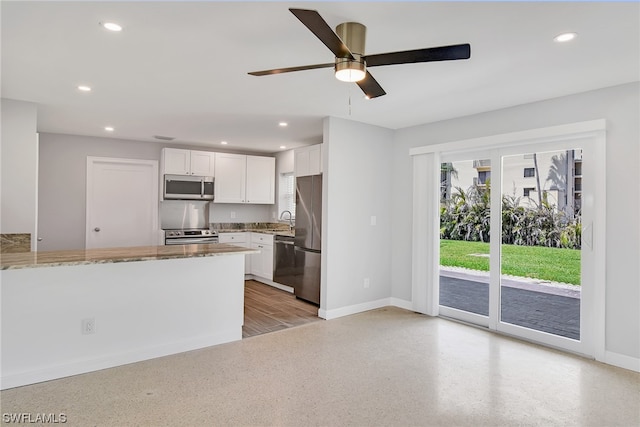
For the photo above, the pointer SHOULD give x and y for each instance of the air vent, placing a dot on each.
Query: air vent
(164, 138)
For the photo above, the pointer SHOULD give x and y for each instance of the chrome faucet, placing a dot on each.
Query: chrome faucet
(290, 218)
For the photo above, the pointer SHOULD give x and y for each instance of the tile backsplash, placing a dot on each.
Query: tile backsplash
(248, 226)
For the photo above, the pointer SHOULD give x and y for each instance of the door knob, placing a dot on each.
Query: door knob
(96, 229)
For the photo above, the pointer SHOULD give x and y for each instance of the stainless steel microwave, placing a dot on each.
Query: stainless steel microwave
(188, 187)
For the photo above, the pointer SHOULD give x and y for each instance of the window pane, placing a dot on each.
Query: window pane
(287, 195)
(540, 284)
(464, 235)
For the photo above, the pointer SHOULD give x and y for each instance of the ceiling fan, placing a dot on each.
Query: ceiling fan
(347, 44)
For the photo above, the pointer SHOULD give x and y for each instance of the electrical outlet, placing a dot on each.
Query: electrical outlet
(233, 215)
(374, 220)
(88, 326)
(366, 283)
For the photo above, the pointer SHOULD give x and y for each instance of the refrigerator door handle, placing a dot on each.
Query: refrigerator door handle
(301, 249)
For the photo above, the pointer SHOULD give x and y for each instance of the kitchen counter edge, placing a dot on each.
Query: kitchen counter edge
(15, 261)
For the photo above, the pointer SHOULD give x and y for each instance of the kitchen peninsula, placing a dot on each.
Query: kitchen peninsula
(70, 312)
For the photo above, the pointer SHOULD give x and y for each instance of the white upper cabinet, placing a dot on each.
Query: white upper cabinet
(244, 179)
(202, 163)
(308, 160)
(230, 180)
(261, 179)
(176, 161)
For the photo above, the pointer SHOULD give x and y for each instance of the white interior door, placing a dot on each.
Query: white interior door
(122, 202)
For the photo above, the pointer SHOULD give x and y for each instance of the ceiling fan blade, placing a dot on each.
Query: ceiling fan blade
(318, 26)
(290, 69)
(371, 87)
(442, 53)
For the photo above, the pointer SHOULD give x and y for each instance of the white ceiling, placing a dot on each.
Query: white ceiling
(180, 68)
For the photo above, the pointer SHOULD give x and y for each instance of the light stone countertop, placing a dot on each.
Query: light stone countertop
(275, 228)
(263, 231)
(12, 261)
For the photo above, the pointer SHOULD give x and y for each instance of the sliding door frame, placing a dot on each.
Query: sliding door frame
(590, 135)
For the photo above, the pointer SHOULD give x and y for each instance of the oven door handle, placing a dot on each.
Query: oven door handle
(192, 241)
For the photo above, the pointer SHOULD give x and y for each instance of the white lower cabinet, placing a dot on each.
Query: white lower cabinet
(241, 239)
(262, 263)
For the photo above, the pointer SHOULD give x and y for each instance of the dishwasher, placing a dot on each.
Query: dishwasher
(284, 260)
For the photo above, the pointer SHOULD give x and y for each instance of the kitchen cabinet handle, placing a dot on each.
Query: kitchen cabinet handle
(96, 229)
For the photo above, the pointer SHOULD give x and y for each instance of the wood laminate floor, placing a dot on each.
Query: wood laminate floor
(268, 309)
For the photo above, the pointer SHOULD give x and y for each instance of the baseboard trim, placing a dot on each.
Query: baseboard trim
(622, 361)
(113, 360)
(353, 309)
(401, 303)
(365, 306)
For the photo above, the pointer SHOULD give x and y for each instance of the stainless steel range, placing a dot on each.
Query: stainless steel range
(189, 237)
(186, 222)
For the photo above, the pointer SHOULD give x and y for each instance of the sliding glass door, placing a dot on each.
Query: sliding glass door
(512, 229)
(540, 281)
(465, 218)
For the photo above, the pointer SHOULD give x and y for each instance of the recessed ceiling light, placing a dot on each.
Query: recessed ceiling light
(283, 124)
(111, 26)
(84, 88)
(565, 37)
(224, 142)
(282, 147)
(109, 128)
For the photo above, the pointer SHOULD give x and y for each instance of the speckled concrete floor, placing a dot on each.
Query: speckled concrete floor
(386, 367)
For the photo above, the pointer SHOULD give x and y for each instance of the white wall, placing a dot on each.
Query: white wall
(357, 185)
(619, 105)
(62, 186)
(62, 183)
(19, 175)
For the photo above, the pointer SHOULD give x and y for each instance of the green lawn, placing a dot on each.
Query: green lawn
(557, 265)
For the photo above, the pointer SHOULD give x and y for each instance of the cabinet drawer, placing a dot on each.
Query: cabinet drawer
(232, 238)
(265, 239)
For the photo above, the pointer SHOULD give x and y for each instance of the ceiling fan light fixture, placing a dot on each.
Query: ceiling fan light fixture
(350, 71)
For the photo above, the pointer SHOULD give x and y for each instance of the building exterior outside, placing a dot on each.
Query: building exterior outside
(557, 175)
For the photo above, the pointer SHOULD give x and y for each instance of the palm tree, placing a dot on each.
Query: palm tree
(538, 188)
(447, 171)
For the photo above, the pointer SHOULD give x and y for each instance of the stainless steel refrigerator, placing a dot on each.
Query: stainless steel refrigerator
(307, 241)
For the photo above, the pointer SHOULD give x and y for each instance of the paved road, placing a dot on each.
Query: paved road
(542, 311)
